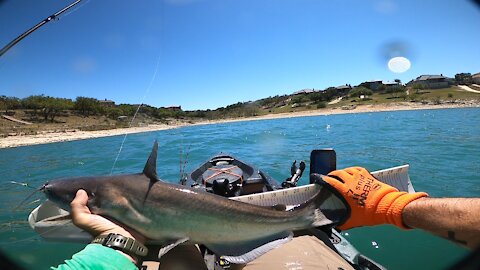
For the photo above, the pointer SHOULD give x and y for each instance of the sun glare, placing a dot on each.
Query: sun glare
(399, 64)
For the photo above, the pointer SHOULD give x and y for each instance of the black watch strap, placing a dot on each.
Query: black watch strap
(122, 243)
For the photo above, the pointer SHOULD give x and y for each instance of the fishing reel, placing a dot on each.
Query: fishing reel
(296, 175)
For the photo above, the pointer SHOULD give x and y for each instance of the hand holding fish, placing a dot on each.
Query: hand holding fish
(371, 201)
(97, 225)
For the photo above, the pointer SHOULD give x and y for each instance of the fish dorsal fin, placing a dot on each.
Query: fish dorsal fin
(150, 169)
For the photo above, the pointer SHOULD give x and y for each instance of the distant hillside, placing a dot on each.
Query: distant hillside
(59, 114)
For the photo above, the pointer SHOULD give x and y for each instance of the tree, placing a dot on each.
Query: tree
(52, 106)
(316, 97)
(127, 109)
(86, 105)
(330, 93)
(464, 78)
(418, 86)
(360, 90)
(33, 103)
(382, 88)
(9, 103)
(48, 107)
(112, 113)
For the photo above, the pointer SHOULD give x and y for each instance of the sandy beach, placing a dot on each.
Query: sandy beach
(51, 137)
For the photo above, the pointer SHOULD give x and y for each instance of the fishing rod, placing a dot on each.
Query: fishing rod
(33, 29)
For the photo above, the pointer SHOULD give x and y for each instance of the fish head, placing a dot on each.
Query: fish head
(63, 191)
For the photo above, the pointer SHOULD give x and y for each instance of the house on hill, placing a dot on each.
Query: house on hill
(174, 108)
(373, 85)
(431, 81)
(476, 78)
(343, 89)
(303, 91)
(392, 85)
(107, 103)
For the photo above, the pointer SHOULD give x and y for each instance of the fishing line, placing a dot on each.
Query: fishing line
(2, 244)
(136, 112)
(28, 198)
(77, 8)
(22, 184)
(144, 96)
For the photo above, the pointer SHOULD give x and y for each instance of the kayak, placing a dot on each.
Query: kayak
(228, 176)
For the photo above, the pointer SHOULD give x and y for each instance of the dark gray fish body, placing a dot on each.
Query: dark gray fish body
(168, 212)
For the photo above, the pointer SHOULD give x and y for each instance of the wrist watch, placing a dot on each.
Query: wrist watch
(122, 243)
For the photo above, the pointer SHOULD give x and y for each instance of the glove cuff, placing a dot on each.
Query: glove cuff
(394, 213)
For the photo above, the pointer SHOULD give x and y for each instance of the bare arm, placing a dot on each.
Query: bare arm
(456, 219)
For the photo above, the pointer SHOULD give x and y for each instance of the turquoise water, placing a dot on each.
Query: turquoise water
(441, 146)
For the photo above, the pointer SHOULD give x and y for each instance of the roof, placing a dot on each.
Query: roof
(341, 87)
(303, 91)
(106, 101)
(430, 77)
(476, 75)
(390, 83)
(374, 81)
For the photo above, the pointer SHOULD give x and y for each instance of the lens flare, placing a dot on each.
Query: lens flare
(399, 64)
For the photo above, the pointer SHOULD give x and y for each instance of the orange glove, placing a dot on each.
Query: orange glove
(371, 201)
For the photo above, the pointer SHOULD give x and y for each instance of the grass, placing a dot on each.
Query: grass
(62, 123)
(456, 93)
(430, 95)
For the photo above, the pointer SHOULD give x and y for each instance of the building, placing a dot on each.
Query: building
(373, 85)
(431, 81)
(174, 108)
(303, 91)
(344, 89)
(476, 78)
(392, 85)
(107, 103)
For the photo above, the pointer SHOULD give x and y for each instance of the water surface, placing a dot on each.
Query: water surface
(441, 146)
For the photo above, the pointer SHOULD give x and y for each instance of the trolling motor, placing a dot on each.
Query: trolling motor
(296, 175)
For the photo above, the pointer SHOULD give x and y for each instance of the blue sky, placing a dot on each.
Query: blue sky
(212, 53)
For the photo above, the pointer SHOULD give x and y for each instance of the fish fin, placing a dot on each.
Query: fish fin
(132, 211)
(240, 253)
(279, 207)
(319, 219)
(328, 207)
(150, 169)
(170, 245)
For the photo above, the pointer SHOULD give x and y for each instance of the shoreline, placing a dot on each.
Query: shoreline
(45, 138)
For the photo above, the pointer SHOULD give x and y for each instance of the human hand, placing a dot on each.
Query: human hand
(371, 201)
(98, 225)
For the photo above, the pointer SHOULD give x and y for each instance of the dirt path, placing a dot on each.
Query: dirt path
(16, 120)
(466, 88)
(335, 101)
